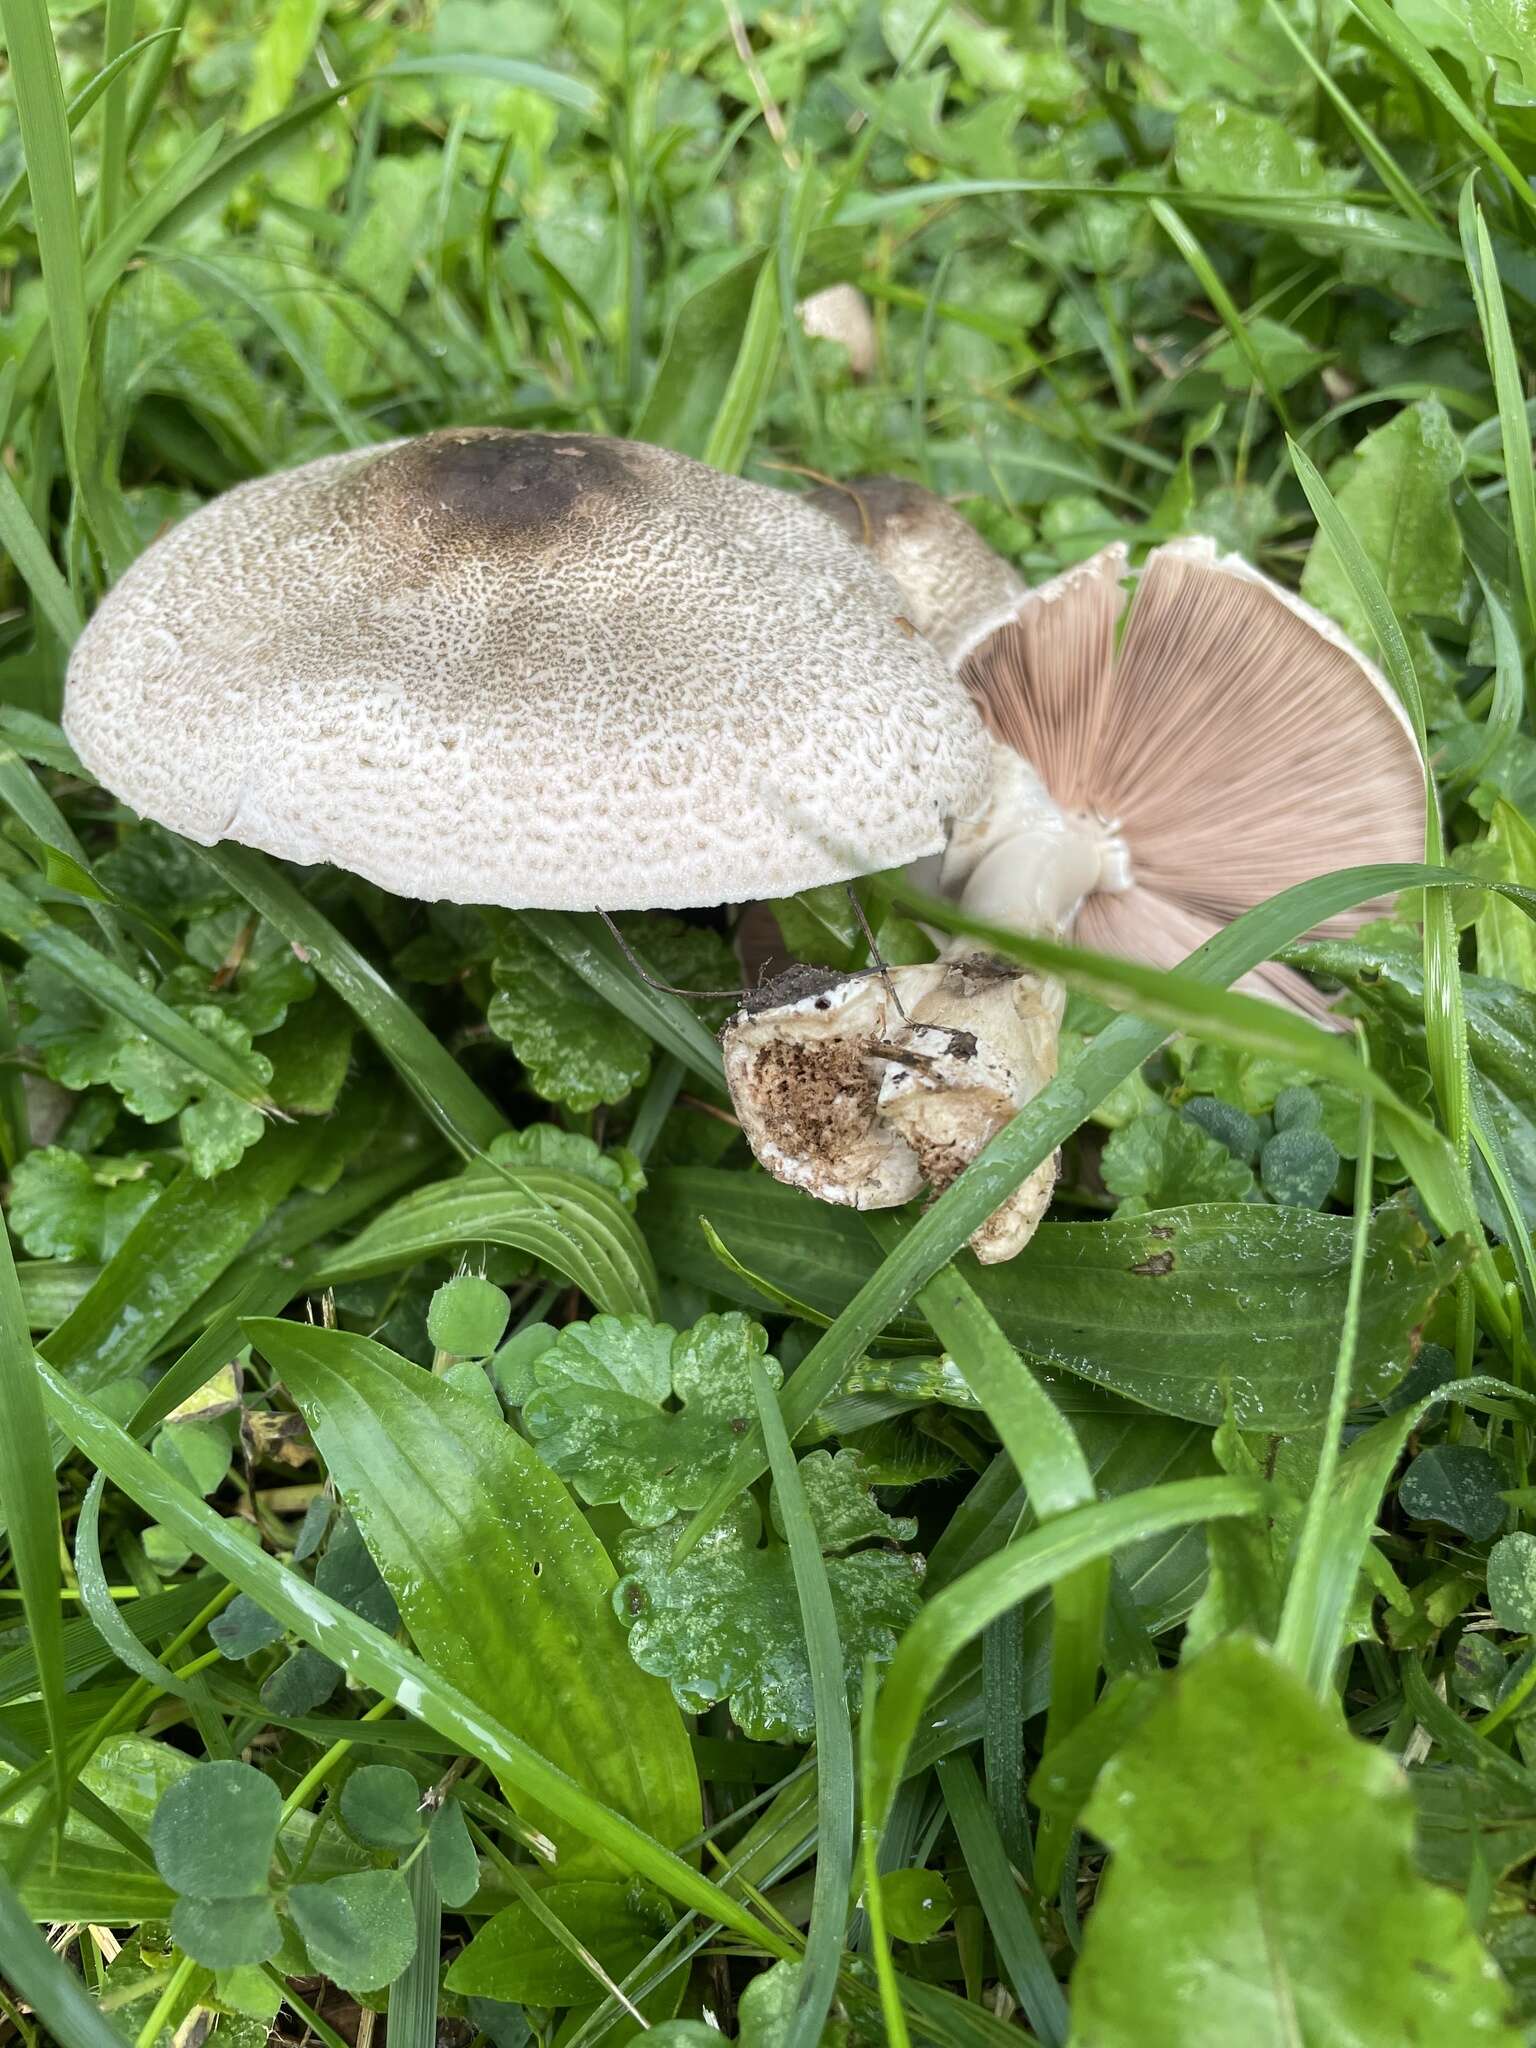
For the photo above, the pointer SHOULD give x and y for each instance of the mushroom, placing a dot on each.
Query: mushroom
(841, 313)
(559, 671)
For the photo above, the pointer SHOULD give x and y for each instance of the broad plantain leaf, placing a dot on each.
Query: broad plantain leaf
(1262, 1887)
(498, 1578)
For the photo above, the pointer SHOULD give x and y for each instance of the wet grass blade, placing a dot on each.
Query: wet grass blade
(30, 1507)
(377, 1661)
(957, 1615)
(1019, 1947)
(834, 1733)
(468, 1119)
(29, 927)
(412, 2015)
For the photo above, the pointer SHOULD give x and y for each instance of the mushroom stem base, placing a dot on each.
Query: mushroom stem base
(863, 1090)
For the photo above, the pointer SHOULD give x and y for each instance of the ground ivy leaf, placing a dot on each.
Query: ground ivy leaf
(162, 875)
(839, 1492)
(67, 1206)
(1166, 1162)
(630, 1411)
(725, 1623)
(359, 1929)
(575, 1048)
(1263, 1865)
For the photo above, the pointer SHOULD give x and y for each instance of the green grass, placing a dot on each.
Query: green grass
(1021, 1547)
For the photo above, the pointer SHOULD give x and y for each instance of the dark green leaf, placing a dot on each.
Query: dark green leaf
(214, 1831)
(1456, 1484)
(381, 1805)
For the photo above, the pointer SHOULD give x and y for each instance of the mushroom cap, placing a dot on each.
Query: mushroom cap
(954, 585)
(541, 670)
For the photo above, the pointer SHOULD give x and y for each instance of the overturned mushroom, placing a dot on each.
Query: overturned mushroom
(1142, 795)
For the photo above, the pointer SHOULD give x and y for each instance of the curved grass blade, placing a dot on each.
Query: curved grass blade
(105, 1615)
(1297, 213)
(36, 567)
(587, 947)
(957, 1616)
(468, 1119)
(834, 1733)
(571, 1223)
(377, 1661)
(1047, 1121)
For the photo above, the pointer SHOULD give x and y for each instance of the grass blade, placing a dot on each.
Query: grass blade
(1309, 1633)
(1514, 430)
(30, 1507)
(412, 2015)
(1019, 1947)
(26, 547)
(834, 1733)
(1210, 283)
(47, 1983)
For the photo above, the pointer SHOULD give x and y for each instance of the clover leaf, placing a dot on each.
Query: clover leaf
(630, 1411)
(726, 1622)
(1162, 1162)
